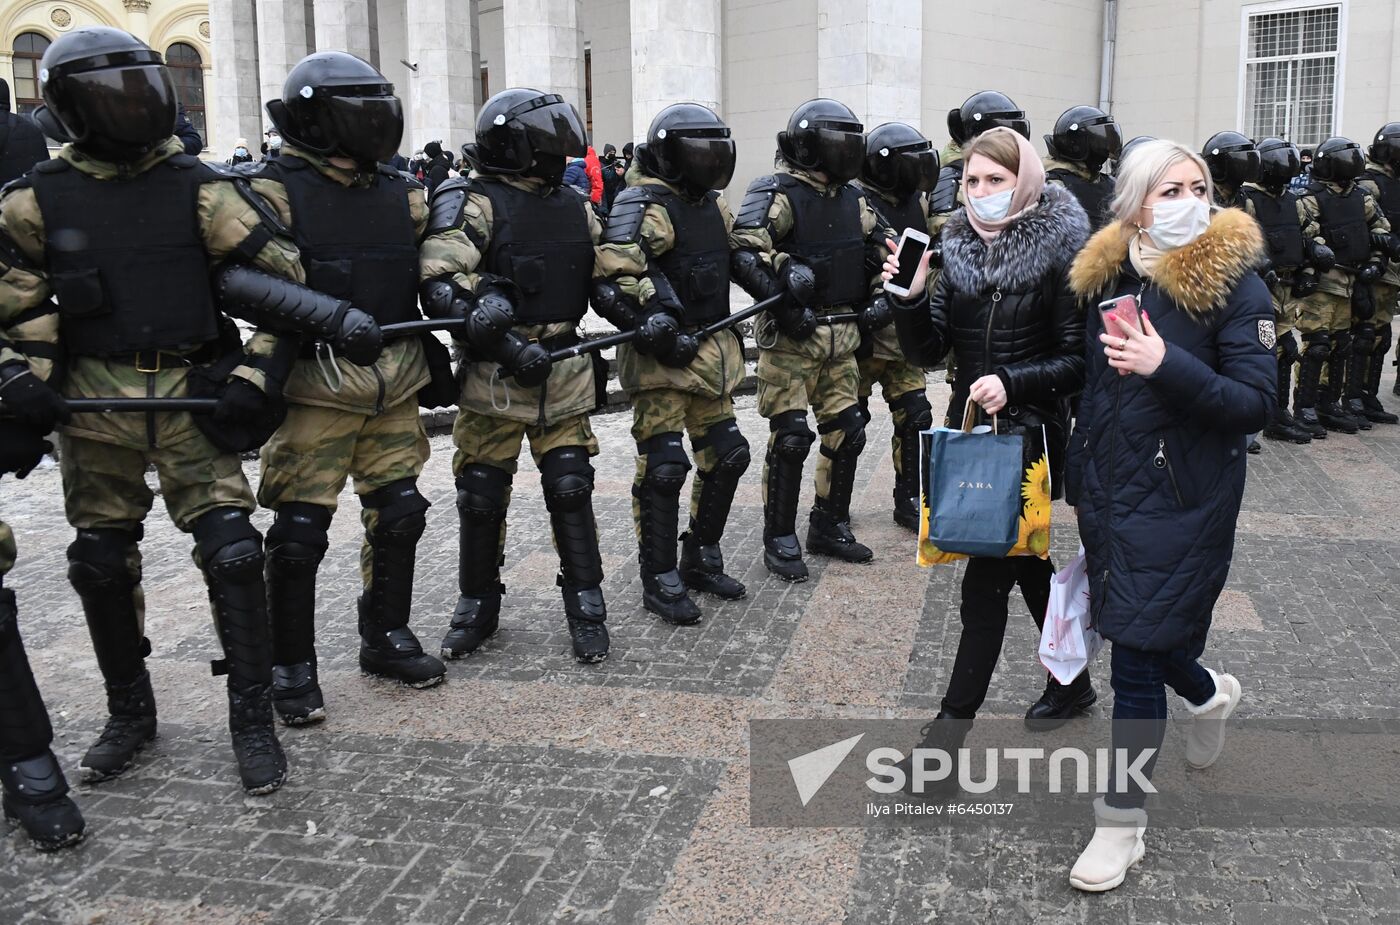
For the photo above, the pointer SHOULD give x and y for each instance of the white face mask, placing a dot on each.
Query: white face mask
(241, 152)
(1176, 224)
(274, 141)
(993, 208)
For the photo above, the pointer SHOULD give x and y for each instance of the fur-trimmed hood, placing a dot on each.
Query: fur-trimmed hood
(1198, 277)
(1017, 259)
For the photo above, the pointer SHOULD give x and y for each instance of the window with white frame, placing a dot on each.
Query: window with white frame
(1290, 73)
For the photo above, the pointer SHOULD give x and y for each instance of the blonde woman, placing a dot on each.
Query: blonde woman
(1157, 462)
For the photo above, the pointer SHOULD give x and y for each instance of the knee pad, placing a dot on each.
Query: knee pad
(667, 463)
(851, 422)
(401, 513)
(97, 561)
(297, 540)
(1288, 349)
(229, 547)
(1341, 344)
(1383, 341)
(1363, 336)
(481, 493)
(731, 449)
(1318, 345)
(918, 413)
(792, 438)
(567, 478)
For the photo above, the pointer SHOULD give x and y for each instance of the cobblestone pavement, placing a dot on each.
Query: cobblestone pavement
(531, 789)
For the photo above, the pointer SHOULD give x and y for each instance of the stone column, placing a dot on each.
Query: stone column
(869, 56)
(544, 47)
(442, 90)
(343, 25)
(233, 88)
(675, 57)
(137, 21)
(282, 42)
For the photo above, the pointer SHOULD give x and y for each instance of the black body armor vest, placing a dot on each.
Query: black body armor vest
(698, 262)
(357, 243)
(907, 213)
(1389, 199)
(827, 236)
(1278, 219)
(125, 257)
(543, 244)
(1344, 225)
(1093, 195)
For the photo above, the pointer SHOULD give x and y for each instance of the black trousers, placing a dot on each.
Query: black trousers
(986, 591)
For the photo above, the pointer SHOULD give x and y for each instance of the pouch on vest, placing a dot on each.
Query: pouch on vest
(79, 293)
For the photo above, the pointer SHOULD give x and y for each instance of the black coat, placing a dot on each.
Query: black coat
(1157, 464)
(1006, 309)
(22, 145)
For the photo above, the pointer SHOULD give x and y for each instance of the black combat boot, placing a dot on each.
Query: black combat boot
(787, 452)
(296, 544)
(1332, 412)
(483, 493)
(587, 615)
(36, 797)
(702, 568)
(1306, 395)
(657, 498)
(98, 570)
(702, 562)
(1060, 703)
(388, 648)
(230, 552)
(946, 733)
(829, 532)
(1371, 405)
(568, 494)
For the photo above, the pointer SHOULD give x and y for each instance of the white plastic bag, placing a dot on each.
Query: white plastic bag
(1067, 642)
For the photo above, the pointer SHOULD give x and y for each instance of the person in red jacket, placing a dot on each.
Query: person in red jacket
(595, 175)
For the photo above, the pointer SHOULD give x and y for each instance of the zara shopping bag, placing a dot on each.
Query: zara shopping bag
(984, 493)
(1067, 642)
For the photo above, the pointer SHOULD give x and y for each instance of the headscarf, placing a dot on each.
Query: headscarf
(1030, 183)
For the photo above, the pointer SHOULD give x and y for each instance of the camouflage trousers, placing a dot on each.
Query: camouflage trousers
(897, 378)
(316, 449)
(1324, 311)
(1288, 308)
(666, 411)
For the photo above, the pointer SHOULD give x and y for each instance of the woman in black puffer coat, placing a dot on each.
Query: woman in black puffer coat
(1157, 464)
(1004, 308)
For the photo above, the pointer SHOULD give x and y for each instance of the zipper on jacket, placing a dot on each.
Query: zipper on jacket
(1163, 461)
(987, 343)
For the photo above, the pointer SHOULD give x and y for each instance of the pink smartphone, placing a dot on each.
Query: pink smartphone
(1125, 308)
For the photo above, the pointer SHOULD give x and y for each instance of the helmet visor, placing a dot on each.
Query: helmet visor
(1348, 163)
(705, 162)
(840, 152)
(1014, 119)
(551, 126)
(1387, 150)
(367, 129)
(1279, 165)
(918, 169)
(125, 109)
(1105, 142)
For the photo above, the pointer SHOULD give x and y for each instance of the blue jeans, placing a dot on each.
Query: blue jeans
(1140, 682)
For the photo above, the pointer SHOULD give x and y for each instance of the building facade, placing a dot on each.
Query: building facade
(1181, 69)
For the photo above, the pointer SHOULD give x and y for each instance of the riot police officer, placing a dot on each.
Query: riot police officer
(1233, 161)
(519, 272)
(141, 207)
(1382, 181)
(979, 112)
(900, 169)
(805, 232)
(663, 271)
(1275, 207)
(1128, 146)
(1338, 315)
(35, 790)
(1085, 138)
(356, 223)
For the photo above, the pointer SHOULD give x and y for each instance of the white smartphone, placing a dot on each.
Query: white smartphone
(912, 245)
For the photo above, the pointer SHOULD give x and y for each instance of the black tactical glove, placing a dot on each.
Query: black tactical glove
(1269, 275)
(875, 316)
(528, 363)
(490, 320)
(796, 323)
(1363, 303)
(21, 448)
(683, 351)
(936, 255)
(359, 340)
(656, 334)
(800, 282)
(1322, 257)
(30, 400)
(1371, 271)
(240, 404)
(1387, 243)
(1305, 284)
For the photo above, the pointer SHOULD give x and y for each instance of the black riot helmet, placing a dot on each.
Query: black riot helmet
(1232, 158)
(1279, 162)
(824, 135)
(1385, 150)
(337, 105)
(1338, 159)
(107, 92)
(899, 160)
(1127, 148)
(688, 146)
(983, 110)
(1085, 135)
(524, 132)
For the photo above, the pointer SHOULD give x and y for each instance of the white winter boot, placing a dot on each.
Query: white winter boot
(1206, 737)
(1116, 846)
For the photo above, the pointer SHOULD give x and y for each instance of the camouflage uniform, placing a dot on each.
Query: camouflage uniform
(104, 456)
(668, 401)
(904, 387)
(1328, 310)
(496, 415)
(820, 372)
(1386, 289)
